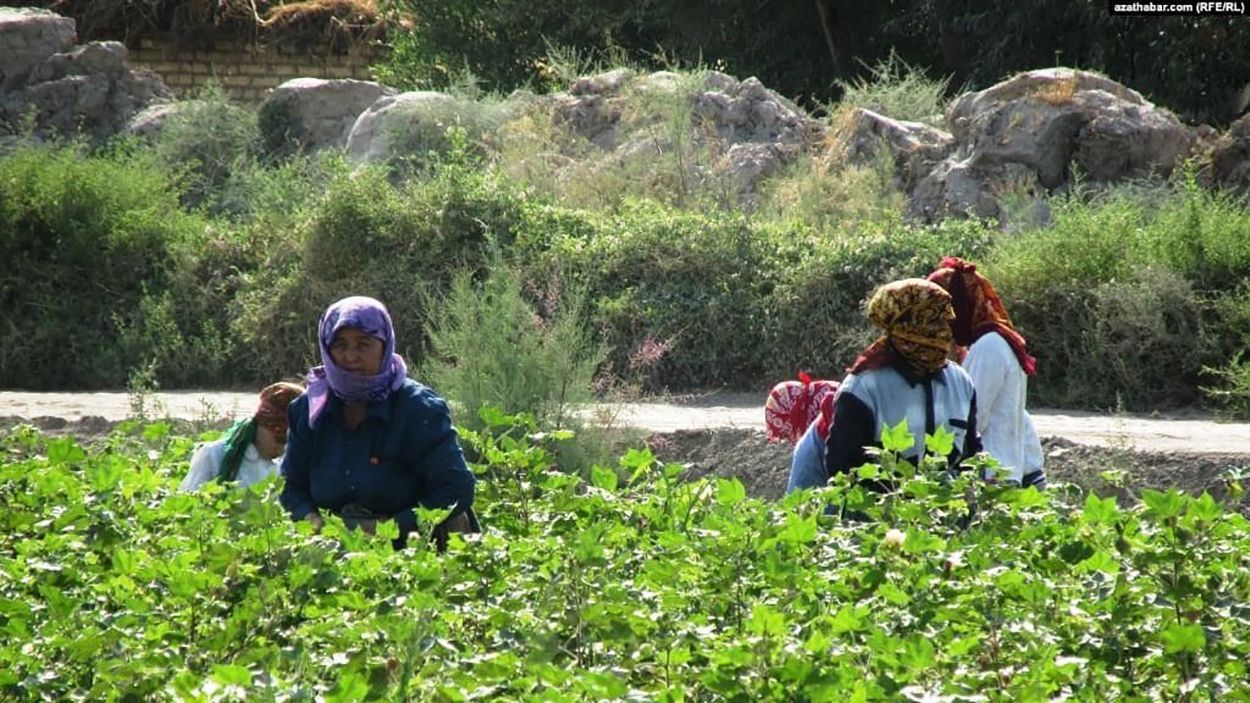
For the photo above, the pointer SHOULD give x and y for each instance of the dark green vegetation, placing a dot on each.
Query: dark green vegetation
(630, 585)
(810, 50)
(125, 264)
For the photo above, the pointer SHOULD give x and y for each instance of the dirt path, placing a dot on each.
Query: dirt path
(722, 434)
(1191, 434)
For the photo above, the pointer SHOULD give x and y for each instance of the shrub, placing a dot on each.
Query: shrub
(699, 282)
(897, 89)
(491, 346)
(817, 305)
(368, 237)
(210, 141)
(84, 238)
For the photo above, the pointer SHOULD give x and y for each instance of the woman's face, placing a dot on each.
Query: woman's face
(357, 352)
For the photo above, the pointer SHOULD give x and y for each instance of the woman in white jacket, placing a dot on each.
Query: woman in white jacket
(251, 449)
(999, 363)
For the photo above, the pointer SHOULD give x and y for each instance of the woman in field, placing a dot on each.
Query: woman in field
(250, 449)
(999, 363)
(903, 375)
(366, 442)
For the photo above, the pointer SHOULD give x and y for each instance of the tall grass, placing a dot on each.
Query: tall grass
(894, 88)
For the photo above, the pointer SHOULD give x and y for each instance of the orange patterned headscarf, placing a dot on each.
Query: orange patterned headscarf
(915, 315)
(978, 309)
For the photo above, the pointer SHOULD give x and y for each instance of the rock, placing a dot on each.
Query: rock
(915, 147)
(103, 58)
(747, 164)
(149, 123)
(746, 111)
(29, 37)
(592, 116)
(1035, 126)
(394, 123)
(310, 114)
(1229, 162)
(67, 90)
(609, 82)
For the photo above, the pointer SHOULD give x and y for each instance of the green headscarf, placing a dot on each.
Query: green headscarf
(240, 435)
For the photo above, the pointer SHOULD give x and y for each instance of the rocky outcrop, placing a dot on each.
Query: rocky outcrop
(310, 114)
(1033, 129)
(29, 37)
(915, 148)
(753, 131)
(51, 86)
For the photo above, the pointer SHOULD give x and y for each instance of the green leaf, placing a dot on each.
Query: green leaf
(941, 443)
(1205, 509)
(1183, 637)
(920, 542)
(65, 450)
(1100, 511)
(766, 621)
(603, 477)
(232, 675)
(897, 439)
(918, 653)
(637, 459)
(730, 491)
(798, 530)
(1163, 505)
(848, 619)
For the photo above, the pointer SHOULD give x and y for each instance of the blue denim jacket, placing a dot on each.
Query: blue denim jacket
(404, 453)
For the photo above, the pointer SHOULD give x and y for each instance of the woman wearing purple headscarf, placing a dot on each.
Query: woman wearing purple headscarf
(366, 442)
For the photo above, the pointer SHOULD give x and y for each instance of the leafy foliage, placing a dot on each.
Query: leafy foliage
(629, 585)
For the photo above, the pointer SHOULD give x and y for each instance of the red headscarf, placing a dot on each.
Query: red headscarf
(978, 309)
(792, 406)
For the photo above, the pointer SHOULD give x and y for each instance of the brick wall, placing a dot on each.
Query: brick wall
(246, 72)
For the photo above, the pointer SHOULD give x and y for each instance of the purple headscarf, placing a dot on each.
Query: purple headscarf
(368, 316)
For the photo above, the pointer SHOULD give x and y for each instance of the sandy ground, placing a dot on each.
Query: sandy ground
(1192, 434)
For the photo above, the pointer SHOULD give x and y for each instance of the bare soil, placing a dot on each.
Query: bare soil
(722, 433)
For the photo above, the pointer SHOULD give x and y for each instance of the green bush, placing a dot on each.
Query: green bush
(628, 584)
(896, 89)
(369, 237)
(211, 142)
(492, 346)
(85, 238)
(697, 283)
(1117, 296)
(817, 306)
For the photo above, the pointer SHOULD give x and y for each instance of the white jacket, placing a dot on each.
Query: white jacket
(1006, 429)
(206, 463)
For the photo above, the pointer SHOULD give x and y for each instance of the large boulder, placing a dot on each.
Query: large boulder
(150, 122)
(310, 114)
(29, 37)
(401, 125)
(1035, 126)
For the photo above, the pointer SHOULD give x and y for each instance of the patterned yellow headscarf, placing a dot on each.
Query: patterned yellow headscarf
(915, 315)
